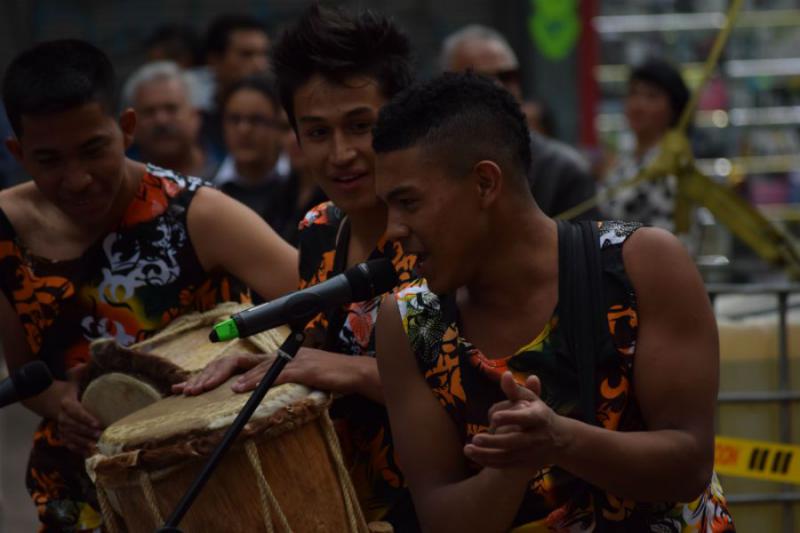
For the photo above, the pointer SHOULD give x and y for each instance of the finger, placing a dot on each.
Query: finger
(511, 428)
(526, 418)
(488, 457)
(250, 379)
(178, 388)
(534, 384)
(250, 360)
(211, 376)
(500, 406)
(512, 390)
(214, 377)
(77, 372)
(70, 428)
(74, 410)
(511, 441)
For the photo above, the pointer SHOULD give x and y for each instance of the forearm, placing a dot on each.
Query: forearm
(366, 380)
(48, 403)
(664, 465)
(462, 506)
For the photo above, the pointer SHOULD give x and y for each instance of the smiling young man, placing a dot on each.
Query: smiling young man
(98, 245)
(484, 370)
(334, 73)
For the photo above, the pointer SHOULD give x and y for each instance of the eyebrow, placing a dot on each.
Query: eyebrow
(95, 141)
(353, 112)
(399, 191)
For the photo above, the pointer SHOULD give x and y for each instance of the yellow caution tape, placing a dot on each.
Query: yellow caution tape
(757, 459)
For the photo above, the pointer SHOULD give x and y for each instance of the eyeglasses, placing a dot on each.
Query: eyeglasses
(254, 121)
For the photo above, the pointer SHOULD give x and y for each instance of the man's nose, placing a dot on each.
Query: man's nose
(75, 178)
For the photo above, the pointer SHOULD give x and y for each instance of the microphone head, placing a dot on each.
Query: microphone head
(31, 379)
(372, 278)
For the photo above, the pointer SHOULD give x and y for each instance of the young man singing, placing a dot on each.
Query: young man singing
(549, 377)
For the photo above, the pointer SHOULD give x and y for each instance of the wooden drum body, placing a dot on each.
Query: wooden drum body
(120, 380)
(284, 473)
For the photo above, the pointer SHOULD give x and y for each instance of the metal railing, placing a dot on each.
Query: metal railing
(788, 496)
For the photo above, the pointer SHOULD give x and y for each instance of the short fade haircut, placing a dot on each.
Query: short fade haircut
(218, 37)
(261, 83)
(472, 32)
(458, 119)
(337, 45)
(56, 76)
(150, 72)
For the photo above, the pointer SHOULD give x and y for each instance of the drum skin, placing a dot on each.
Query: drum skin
(154, 365)
(162, 448)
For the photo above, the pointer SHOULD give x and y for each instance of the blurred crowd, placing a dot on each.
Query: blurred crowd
(207, 106)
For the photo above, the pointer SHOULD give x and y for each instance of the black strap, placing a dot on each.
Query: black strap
(582, 305)
(337, 317)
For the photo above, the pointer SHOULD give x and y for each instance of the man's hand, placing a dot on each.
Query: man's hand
(78, 429)
(525, 434)
(313, 368)
(217, 372)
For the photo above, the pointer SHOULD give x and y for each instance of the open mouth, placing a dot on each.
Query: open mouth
(349, 179)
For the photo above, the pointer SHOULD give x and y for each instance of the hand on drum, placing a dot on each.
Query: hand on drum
(313, 368)
(78, 429)
(217, 372)
(525, 434)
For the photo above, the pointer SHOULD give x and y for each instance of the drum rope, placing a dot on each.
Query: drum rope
(268, 499)
(150, 496)
(109, 518)
(348, 492)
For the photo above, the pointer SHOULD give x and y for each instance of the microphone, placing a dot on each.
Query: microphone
(356, 284)
(28, 380)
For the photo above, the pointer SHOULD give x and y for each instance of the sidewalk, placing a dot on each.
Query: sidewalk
(17, 513)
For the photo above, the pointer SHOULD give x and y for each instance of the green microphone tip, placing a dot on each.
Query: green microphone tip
(224, 331)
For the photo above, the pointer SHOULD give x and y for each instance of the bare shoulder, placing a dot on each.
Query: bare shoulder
(656, 253)
(22, 204)
(664, 276)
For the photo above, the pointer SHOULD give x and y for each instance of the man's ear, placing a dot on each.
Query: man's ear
(127, 123)
(14, 146)
(489, 181)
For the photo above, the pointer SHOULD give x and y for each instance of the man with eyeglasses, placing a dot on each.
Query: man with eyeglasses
(255, 172)
(559, 176)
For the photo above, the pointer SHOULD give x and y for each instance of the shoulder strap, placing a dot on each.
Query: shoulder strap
(581, 304)
(337, 317)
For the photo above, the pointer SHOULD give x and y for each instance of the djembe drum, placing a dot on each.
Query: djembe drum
(121, 380)
(284, 472)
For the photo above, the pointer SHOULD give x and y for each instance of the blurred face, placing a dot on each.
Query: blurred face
(246, 55)
(437, 216)
(491, 59)
(647, 109)
(334, 123)
(76, 158)
(167, 122)
(290, 146)
(252, 129)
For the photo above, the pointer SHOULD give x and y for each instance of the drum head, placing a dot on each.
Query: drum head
(114, 396)
(179, 421)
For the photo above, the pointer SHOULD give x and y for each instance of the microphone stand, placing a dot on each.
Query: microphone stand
(286, 353)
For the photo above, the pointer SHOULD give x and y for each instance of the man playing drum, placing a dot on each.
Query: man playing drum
(98, 245)
(334, 73)
(550, 376)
